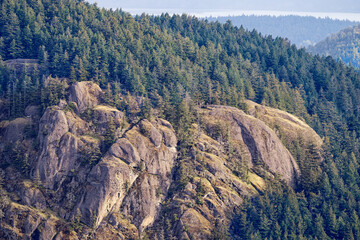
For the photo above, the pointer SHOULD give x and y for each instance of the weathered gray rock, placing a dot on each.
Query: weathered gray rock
(117, 177)
(143, 200)
(157, 159)
(126, 229)
(31, 223)
(14, 130)
(252, 137)
(33, 112)
(167, 131)
(31, 196)
(197, 225)
(108, 183)
(124, 150)
(77, 126)
(53, 125)
(85, 95)
(58, 148)
(103, 115)
(49, 230)
(289, 128)
(121, 195)
(148, 130)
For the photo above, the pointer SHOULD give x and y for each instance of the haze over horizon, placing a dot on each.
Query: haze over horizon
(344, 6)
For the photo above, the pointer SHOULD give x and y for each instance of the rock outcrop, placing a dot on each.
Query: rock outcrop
(289, 128)
(15, 129)
(103, 115)
(23, 222)
(251, 137)
(121, 188)
(22, 65)
(58, 148)
(85, 95)
(133, 177)
(232, 156)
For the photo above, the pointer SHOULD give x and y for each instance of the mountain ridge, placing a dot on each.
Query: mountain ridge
(343, 45)
(113, 97)
(300, 30)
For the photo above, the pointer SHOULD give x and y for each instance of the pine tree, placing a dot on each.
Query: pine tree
(109, 137)
(146, 109)
(44, 59)
(2, 47)
(27, 40)
(326, 187)
(15, 49)
(220, 232)
(355, 222)
(240, 225)
(310, 169)
(331, 222)
(132, 107)
(319, 231)
(80, 71)
(184, 122)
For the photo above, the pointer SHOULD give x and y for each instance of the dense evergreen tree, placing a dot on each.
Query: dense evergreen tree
(166, 65)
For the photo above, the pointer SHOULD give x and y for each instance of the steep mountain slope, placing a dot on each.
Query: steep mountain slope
(165, 127)
(344, 45)
(72, 182)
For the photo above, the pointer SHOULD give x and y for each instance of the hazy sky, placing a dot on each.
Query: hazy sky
(269, 5)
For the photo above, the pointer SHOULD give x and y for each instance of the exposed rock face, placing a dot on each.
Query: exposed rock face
(125, 151)
(167, 132)
(22, 65)
(34, 224)
(53, 125)
(85, 95)
(77, 126)
(253, 138)
(289, 127)
(192, 220)
(143, 200)
(103, 115)
(107, 185)
(59, 148)
(135, 169)
(121, 191)
(31, 196)
(33, 112)
(230, 149)
(14, 130)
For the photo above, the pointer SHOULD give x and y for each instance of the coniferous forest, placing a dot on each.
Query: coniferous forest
(172, 60)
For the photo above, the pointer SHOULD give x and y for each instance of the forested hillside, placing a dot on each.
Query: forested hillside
(302, 31)
(344, 45)
(174, 68)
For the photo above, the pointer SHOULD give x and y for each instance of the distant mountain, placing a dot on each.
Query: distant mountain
(302, 31)
(344, 45)
(275, 5)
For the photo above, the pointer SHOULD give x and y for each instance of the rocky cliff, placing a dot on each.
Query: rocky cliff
(83, 170)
